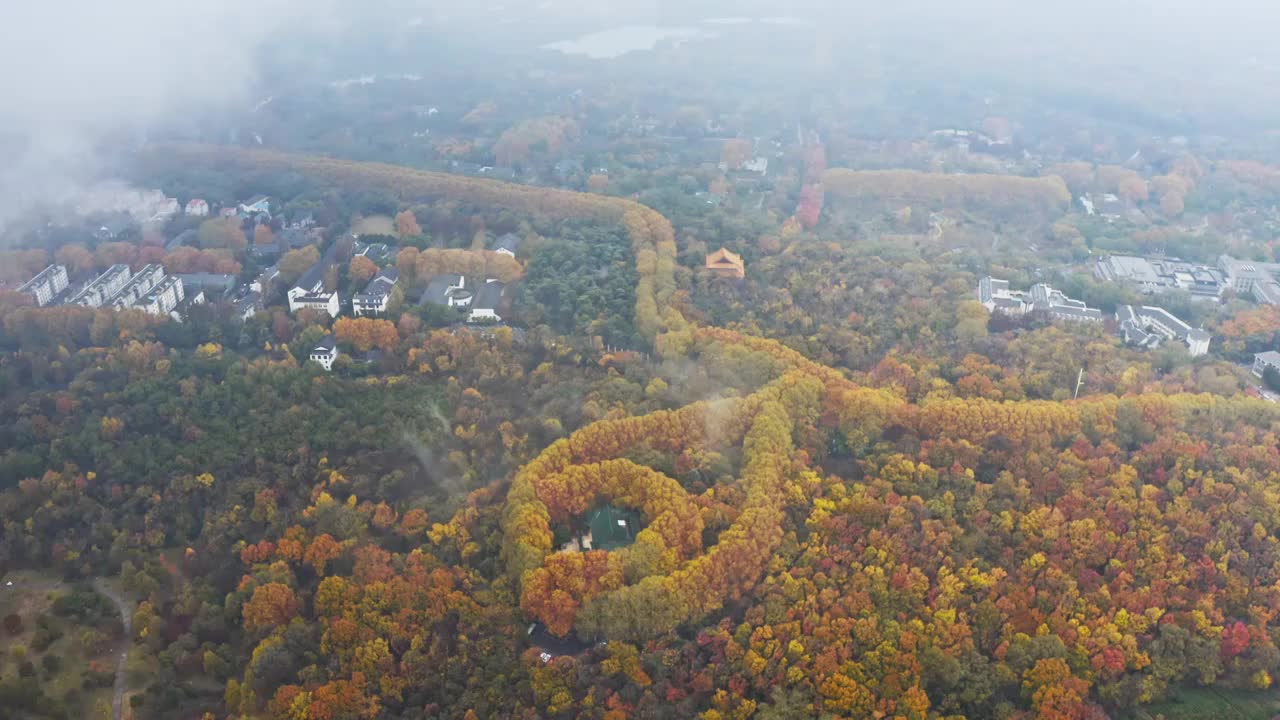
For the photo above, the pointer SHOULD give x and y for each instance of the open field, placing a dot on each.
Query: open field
(1214, 704)
(374, 225)
(58, 644)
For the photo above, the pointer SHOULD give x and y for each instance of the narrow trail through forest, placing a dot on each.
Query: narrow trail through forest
(122, 660)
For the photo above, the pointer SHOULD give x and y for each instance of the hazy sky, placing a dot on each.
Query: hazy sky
(74, 72)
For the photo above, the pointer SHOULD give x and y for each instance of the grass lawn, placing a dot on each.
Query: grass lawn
(1214, 704)
(374, 225)
(69, 656)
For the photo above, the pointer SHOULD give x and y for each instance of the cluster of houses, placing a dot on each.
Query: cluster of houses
(1142, 326)
(149, 289)
(483, 300)
(1154, 275)
(483, 303)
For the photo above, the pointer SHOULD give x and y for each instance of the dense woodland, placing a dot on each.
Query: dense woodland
(862, 496)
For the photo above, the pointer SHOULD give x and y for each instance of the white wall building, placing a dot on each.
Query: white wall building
(163, 298)
(46, 285)
(376, 295)
(1148, 327)
(139, 285)
(485, 307)
(996, 296)
(103, 288)
(325, 353)
(1264, 360)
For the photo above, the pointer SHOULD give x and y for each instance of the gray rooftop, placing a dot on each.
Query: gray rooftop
(1270, 357)
(490, 295)
(509, 241)
(437, 291)
(315, 274)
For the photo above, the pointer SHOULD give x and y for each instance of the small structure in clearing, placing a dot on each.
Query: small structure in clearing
(723, 263)
(612, 528)
(607, 528)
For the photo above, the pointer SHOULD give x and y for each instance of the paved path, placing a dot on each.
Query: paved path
(122, 663)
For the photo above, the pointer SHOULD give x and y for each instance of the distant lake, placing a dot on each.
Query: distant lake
(616, 42)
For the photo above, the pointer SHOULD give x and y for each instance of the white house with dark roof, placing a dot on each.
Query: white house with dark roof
(325, 352)
(246, 305)
(1147, 327)
(485, 307)
(375, 296)
(508, 244)
(308, 292)
(448, 290)
(256, 205)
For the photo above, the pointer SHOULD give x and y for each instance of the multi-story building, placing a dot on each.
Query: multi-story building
(103, 288)
(1264, 360)
(1148, 327)
(163, 298)
(1157, 275)
(996, 296)
(46, 285)
(138, 286)
(325, 352)
(485, 308)
(309, 293)
(373, 300)
(246, 305)
(1247, 277)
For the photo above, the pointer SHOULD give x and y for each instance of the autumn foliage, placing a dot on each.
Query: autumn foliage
(943, 190)
(367, 333)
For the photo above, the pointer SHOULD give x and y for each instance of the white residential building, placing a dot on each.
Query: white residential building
(1148, 327)
(299, 299)
(373, 300)
(1264, 360)
(247, 305)
(485, 308)
(46, 285)
(325, 353)
(508, 244)
(447, 290)
(758, 165)
(1247, 277)
(103, 288)
(163, 298)
(197, 207)
(309, 292)
(256, 205)
(139, 285)
(996, 296)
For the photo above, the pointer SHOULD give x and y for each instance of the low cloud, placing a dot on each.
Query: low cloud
(81, 76)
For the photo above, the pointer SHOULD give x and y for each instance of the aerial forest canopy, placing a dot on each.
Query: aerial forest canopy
(815, 542)
(941, 190)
